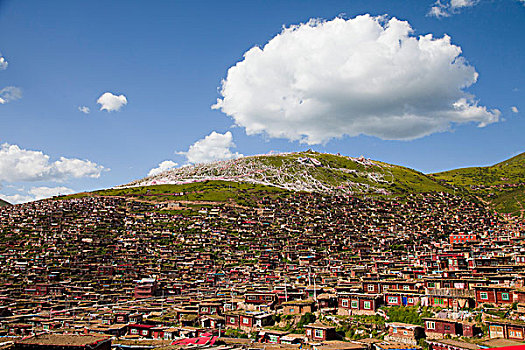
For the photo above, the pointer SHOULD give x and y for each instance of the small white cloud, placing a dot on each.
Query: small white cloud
(213, 147)
(438, 12)
(16, 198)
(363, 76)
(36, 193)
(447, 8)
(10, 93)
(84, 109)
(3, 63)
(163, 166)
(18, 164)
(110, 102)
(77, 168)
(514, 109)
(48, 192)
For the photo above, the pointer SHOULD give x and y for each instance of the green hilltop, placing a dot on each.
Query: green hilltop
(501, 186)
(244, 180)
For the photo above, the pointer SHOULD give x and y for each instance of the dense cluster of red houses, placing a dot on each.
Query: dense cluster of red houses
(136, 269)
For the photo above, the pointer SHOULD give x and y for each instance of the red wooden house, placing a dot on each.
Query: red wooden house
(494, 294)
(404, 333)
(142, 330)
(319, 332)
(358, 303)
(393, 298)
(438, 328)
(506, 329)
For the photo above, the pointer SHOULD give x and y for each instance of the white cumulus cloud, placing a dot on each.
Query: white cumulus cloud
(213, 147)
(36, 193)
(3, 63)
(447, 8)
(84, 109)
(17, 164)
(514, 109)
(16, 198)
(47, 192)
(10, 93)
(367, 75)
(110, 102)
(163, 166)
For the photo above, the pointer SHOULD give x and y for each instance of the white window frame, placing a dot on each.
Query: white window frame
(484, 295)
(393, 300)
(431, 325)
(318, 333)
(367, 305)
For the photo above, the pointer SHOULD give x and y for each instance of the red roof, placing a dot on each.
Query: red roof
(196, 341)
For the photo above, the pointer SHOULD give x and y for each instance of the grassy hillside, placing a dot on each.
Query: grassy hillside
(3, 203)
(304, 171)
(502, 185)
(209, 191)
(247, 179)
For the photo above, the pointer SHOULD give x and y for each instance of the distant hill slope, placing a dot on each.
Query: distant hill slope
(4, 203)
(302, 171)
(502, 185)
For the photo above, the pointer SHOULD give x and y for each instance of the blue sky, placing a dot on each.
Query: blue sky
(168, 58)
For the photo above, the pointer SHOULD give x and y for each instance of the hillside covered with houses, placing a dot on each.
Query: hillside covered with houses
(334, 271)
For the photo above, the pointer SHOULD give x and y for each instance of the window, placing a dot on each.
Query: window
(392, 300)
(394, 330)
(405, 332)
(292, 310)
(145, 332)
(204, 309)
(367, 305)
(232, 320)
(354, 304)
(431, 284)
(371, 287)
(134, 331)
(504, 296)
(344, 303)
(308, 332)
(251, 297)
(447, 328)
(483, 295)
(431, 325)
(411, 300)
(406, 287)
(318, 333)
(268, 297)
(245, 320)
